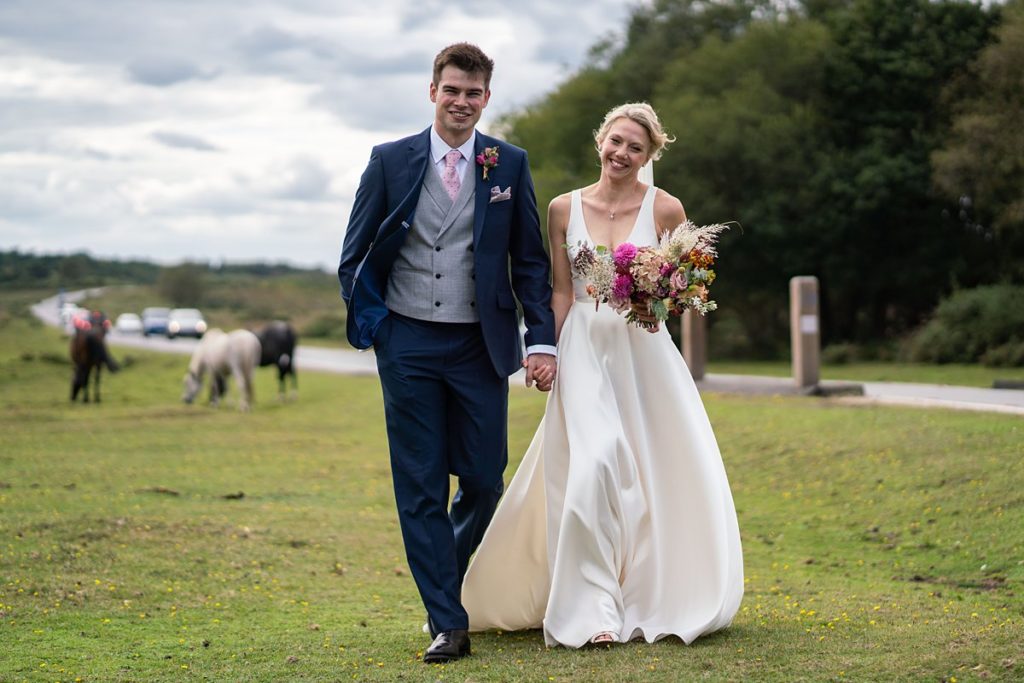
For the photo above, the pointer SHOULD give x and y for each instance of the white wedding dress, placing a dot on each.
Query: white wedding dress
(620, 516)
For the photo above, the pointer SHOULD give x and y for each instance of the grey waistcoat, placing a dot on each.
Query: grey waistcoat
(432, 277)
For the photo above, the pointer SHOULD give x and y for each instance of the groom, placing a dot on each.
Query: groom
(444, 228)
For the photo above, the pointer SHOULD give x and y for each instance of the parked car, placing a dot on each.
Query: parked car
(185, 322)
(128, 323)
(154, 320)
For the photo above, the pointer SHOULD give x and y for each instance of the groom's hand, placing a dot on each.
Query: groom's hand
(540, 370)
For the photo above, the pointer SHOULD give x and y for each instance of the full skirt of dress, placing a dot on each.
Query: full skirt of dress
(620, 516)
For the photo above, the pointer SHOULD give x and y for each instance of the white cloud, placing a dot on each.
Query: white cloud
(224, 130)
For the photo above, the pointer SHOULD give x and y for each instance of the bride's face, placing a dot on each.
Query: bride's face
(624, 149)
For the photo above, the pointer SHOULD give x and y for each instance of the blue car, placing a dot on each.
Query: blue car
(154, 320)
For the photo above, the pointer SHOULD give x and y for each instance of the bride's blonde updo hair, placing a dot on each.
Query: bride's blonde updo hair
(641, 113)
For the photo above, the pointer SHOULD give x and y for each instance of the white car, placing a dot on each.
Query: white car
(128, 323)
(185, 322)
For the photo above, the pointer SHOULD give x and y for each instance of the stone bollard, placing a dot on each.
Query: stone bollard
(805, 331)
(695, 343)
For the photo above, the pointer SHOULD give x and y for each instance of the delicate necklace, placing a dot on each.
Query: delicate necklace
(611, 211)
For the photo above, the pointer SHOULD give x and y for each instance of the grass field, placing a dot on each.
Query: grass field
(145, 540)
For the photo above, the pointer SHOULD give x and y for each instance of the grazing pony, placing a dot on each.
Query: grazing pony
(237, 352)
(277, 340)
(88, 351)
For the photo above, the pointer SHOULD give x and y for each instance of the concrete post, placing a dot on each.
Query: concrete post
(805, 331)
(695, 343)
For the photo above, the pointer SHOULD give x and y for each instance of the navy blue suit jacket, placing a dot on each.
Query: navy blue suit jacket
(508, 250)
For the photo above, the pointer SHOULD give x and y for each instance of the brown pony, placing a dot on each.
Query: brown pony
(88, 351)
(277, 346)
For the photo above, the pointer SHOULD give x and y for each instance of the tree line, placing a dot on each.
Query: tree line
(26, 270)
(875, 144)
(182, 284)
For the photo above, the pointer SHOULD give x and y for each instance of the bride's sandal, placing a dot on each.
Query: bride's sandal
(603, 638)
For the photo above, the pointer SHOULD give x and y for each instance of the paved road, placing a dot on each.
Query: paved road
(346, 361)
(341, 361)
(889, 393)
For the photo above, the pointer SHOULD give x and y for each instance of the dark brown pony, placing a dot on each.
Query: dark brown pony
(277, 345)
(88, 351)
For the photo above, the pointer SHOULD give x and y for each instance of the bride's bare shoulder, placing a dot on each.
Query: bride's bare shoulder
(559, 207)
(668, 211)
(558, 212)
(560, 202)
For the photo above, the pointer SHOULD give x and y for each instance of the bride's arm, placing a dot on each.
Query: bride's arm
(561, 276)
(668, 212)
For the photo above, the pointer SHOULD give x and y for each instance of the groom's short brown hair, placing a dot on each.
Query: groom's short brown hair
(467, 57)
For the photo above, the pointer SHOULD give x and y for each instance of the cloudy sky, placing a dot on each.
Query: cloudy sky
(237, 129)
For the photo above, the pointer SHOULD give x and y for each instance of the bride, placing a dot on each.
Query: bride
(619, 523)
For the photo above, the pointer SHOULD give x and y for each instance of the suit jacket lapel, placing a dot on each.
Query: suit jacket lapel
(419, 159)
(407, 184)
(483, 187)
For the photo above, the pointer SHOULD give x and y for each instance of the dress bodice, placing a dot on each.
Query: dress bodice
(644, 233)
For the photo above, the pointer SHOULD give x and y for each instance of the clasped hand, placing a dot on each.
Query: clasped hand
(645, 318)
(540, 370)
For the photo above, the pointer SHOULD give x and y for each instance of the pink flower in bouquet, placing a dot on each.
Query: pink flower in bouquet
(623, 286)
(624, 255)
(678, 280)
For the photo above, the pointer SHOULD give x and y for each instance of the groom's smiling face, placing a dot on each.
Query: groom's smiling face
(459, 98)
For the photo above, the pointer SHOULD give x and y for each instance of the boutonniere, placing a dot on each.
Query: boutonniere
(488, 159)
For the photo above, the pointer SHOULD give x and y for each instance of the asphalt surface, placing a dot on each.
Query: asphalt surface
(346, 361)
(887, 393)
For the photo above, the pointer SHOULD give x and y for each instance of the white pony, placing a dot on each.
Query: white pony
(237, 352)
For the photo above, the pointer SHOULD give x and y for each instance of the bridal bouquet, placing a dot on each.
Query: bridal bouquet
(651, 283)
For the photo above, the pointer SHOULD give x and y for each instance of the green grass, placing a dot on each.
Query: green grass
(957, 374)
(879, 543)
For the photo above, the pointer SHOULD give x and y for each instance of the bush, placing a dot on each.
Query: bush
(1006, 356)
(182, 285)
(984, 324)
(728, 338)
(326, 326)
(841, 354)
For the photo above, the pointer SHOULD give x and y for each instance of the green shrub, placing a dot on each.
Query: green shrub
(325, 326)
(1009, 355)
(841, 354)
(728, 338)
(984, 324)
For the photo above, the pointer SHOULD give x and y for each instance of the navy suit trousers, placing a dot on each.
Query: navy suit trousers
(447, 414)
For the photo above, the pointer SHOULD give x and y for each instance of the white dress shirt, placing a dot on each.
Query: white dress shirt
(438, 148)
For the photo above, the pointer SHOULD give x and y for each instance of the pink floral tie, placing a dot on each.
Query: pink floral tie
(450, 178)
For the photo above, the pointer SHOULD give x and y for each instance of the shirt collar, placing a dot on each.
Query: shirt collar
(438, 147)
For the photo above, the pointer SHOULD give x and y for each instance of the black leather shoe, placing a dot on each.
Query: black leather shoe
(447, 646)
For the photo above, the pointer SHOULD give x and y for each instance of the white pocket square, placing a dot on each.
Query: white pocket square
(499, 195)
